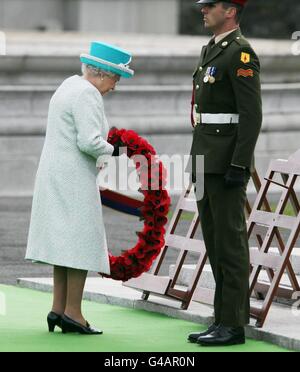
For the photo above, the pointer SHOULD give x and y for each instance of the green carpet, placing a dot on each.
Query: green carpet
(23, 328)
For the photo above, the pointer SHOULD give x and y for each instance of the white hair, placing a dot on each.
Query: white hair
(95, 71)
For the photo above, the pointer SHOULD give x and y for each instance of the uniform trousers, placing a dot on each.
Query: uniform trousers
(223, 222)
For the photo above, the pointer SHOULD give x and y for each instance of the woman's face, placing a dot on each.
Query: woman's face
(106, 83)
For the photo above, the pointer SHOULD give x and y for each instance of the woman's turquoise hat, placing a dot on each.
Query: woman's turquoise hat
(109, 58)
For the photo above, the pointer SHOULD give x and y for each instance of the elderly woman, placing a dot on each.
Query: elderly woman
(66, 228)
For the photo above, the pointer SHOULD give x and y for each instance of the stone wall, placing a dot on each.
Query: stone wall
(263, 19)
(138, 16)
(32, 14)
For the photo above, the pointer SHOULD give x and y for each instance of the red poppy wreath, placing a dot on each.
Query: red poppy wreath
(137, 260)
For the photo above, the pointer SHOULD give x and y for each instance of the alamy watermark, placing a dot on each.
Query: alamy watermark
(119, 173)
(2, 43)
(296, 45)
(296, 304)
(2, 304)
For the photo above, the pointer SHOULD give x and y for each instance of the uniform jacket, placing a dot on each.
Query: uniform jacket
(236, 90)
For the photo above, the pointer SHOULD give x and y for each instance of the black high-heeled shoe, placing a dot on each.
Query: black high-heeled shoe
(53, 320)
(70, 325)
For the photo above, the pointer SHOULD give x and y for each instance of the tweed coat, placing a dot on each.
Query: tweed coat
(66, 226)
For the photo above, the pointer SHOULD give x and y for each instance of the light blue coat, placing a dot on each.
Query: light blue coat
(66, 227)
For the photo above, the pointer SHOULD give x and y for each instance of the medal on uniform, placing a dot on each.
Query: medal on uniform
(210, 75)
(207, 74)
(211, 78)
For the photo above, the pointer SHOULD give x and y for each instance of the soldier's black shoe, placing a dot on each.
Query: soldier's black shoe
(193, 337)
(223, 336)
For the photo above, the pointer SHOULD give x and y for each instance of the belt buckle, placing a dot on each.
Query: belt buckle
(198, 118)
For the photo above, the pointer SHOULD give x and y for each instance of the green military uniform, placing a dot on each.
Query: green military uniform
(228, 116)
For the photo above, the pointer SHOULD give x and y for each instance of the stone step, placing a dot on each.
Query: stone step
(149, 109)
(48, 58)
(152, 108)
(149, 70)
(160, 113)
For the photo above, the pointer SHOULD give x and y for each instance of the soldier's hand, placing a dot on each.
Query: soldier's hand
(236, 177)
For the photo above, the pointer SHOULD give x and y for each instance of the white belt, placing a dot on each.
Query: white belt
(217, 118)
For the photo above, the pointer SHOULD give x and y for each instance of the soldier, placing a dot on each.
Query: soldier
(227, 102)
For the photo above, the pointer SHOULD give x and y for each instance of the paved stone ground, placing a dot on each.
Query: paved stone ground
(14, 224)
